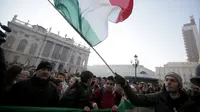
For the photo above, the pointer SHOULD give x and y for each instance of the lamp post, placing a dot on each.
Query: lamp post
(135, 65)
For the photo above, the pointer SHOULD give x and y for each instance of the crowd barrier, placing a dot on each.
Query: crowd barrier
(45, 109)
(124, 106)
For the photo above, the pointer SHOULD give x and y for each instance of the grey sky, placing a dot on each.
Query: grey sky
(153, 31)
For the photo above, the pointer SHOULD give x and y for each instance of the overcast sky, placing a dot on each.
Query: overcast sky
(153, 31)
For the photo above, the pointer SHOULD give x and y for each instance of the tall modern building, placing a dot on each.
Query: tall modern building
(191, 40)
(30, 44)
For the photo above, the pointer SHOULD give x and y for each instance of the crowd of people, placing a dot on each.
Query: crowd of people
(42, 87)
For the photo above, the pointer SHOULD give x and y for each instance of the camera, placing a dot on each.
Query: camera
(2, 34)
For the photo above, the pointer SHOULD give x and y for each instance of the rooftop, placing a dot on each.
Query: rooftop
(44, 31)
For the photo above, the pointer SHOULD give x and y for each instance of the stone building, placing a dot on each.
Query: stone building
(30, 44)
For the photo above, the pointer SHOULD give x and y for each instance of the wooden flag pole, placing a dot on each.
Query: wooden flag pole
(85, 40)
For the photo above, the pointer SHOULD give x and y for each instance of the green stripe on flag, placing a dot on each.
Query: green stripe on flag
(70, 10)
(125, 106)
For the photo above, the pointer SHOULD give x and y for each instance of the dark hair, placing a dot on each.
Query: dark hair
(12, 73)
(61, 73)
(111, 78)
(44, 64)
(104, 78)
(85, 75)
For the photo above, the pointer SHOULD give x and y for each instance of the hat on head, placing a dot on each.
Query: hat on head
(177, 77)
(196, 80)
(44, 64)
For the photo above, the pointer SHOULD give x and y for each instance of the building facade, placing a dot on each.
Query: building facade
(30, 44)
(191, 40)
(185, 69)
(123, 70)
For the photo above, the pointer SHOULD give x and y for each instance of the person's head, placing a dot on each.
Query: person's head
(13, 72)
(86, 77)
(103, 81)
(72, 80)
(110, 83)
(61, 76)
(24, 75)
(173, 82)
(43, 70)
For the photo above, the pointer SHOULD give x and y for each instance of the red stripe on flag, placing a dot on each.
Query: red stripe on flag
(126, 6)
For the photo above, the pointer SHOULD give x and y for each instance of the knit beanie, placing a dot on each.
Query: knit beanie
(44, 64)
(177, 77)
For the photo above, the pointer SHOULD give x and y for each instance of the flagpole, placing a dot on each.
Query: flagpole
(86, 41)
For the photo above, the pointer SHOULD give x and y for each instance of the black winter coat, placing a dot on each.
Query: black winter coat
(77, 96)
(161, 101)
(32, 92)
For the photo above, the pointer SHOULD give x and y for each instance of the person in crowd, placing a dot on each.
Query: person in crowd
(103, 82)
(37, 91)
(95, 84)
(25, 75)
(72, 81)
(78, 96)
(104, 97)
(11, 77)
(61, 77)
(170, 99)
(196, 81)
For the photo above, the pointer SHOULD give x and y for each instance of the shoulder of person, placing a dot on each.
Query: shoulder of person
(51, 84)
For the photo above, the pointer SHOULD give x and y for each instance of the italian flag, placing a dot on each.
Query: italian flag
(90, 17)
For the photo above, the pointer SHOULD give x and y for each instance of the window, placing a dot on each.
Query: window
(47, 49)
(22, 45)
(60, 67)
(26, 35)
(56, 52)
(78, 62)
(33, 49)
(143, 72)
(64, 54)
(9, 42)
(72, 59)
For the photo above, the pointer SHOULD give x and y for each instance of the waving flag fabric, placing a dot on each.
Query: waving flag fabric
(90, 17)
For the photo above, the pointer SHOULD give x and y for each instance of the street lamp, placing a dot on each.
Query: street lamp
(135, 65)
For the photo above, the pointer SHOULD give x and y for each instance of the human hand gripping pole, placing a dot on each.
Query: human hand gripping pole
(120, 80)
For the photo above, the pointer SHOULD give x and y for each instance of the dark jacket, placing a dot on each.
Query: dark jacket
(161, 101)
(77, 96)
(32, 92)
(3, 71)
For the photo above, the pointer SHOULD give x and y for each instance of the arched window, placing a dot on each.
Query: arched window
(22, 45)
(33, 49)
(60, 67)
(78, 62)
(143, 72)
(72, 59)
(9, 42)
